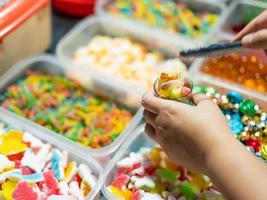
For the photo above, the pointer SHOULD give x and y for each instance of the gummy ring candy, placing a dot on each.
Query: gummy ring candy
(173, 86)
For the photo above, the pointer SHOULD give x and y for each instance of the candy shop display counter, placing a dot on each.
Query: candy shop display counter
(22, 20)
(245, 72)
(121, 60)
(38, 89)
(31, 155)
(189, 22)
(141, 170)
(247, 10)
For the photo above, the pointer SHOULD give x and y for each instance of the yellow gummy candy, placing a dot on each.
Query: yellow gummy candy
(200, 182)
(7, 189)
(70, 171)
(125, 194)
(85, 189)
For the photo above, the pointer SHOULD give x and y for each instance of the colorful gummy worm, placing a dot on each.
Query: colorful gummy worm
(150, 174)
(65, 107)
(33, 170)
(168, 14)
(246, 119)
(248, 71)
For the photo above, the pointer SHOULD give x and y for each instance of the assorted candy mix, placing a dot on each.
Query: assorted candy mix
(126, 60)
(246, 119)
(172, 86)
(249, 71)
(169, 14)
(65, 107)
(150, 174)
(31, 169)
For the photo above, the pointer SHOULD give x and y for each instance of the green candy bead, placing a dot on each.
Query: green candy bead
(247, 107)
(211, 90)
(187, 191)
(199, 89)
(168, 174)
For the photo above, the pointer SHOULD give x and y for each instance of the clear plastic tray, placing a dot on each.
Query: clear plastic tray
(207, 5)
(195, 72)
(81, 34)
(237, 12)
(11, 119)
(137, 140)
(49, 63)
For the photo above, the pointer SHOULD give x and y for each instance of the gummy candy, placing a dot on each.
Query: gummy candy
(24, 192)
(168, 174)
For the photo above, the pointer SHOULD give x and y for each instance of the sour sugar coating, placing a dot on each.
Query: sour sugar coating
(249, 71)
(173, 86)
(170, 15)
(34, 170)
(248, 122)
(125, 60)
(160, 179)
(62, 105)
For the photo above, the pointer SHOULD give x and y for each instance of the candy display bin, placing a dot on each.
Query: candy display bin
(197, 5)
(137, 140)
(16, 123)
(195, 71)
(246, 9)
(25, 29)
(50, 64)
(83, 33)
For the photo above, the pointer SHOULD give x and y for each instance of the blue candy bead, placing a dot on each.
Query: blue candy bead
(236, 126)
(235, 97)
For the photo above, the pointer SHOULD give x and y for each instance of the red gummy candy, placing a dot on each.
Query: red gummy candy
(120, 180)
(136, 195)
(24, 192)
(17, 164)
(150, 170)
(78, 179)
(26, 171)
(51, 184)
(17, 156)
(182, 171)
(126, 170)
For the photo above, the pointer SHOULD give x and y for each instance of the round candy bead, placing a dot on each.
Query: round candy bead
(247, 107)
(236, 126)
(234, 97)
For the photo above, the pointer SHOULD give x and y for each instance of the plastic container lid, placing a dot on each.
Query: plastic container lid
(17, 12)
(77, 8)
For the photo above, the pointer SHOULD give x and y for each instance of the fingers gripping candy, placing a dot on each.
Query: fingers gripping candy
(38, 170)
(168, 181)
(172, 86)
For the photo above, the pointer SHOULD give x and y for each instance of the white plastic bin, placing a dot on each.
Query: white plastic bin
(80, 36)
(12, 120)
(51, 64)
(217, 7)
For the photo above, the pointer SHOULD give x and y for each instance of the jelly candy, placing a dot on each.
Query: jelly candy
(120, 180)
(125, 194)
(24, 191)
(200, 182)
(8, 189)
(187, 191)
(168, 174)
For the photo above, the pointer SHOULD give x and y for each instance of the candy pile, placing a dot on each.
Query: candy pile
(246, 119)
(172, 86)
(63, 106)
(150, 174)
(126, 60)
(168, 14)
(33, 170)
(246, 70)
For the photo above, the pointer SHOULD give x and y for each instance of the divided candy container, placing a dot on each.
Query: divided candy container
(247, 10)
(35, 165)
(157, 16)
(38, 89)
(25, 29)
(109, 38)
(245, 72)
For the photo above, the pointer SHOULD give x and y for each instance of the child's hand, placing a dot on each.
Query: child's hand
(254, 35)
(188, 134)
